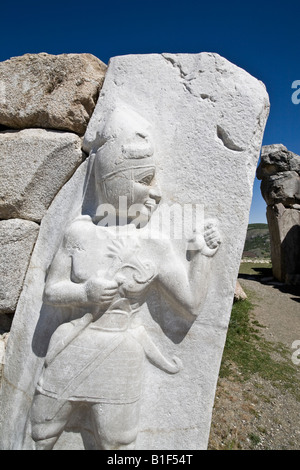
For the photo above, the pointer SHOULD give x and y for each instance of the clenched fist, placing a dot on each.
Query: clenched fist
(211, 236)
(208, 243)
(100, 291)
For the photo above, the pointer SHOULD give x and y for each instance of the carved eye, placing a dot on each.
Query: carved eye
(146, 180)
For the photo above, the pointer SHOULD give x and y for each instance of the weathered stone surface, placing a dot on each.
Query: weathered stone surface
(50, 91)
(34, 165)
(284, 226)
(201, 120)
(239, 293)
(275, 159)
(279, 170)
(283, 187)
(17, 238)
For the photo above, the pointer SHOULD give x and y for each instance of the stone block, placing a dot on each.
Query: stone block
(284, 227)
(239, 293)
(50, 91)
(279, 170)
(178, 136)
(276, 158)
(283, 187)
(17, 238)
(34, 165)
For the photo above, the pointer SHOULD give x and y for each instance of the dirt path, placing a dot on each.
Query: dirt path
(277, 308)
(254, 414)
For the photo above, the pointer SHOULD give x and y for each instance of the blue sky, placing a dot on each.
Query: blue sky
(263, 37)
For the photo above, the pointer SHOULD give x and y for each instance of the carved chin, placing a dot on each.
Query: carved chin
(143, 215)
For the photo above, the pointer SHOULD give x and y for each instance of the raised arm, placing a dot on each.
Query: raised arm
(185, 284)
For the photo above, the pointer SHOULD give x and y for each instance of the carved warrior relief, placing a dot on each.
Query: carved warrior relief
(107, 267)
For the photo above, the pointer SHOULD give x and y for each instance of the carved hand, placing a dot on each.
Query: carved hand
(196, 243)
(211, 236)
(208, 243)
(100, 291)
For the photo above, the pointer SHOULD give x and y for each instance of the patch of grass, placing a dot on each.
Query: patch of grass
(231, 444)
(258, 240)
(258, 226)
(256, 269)
(254, 438)
(247, 350)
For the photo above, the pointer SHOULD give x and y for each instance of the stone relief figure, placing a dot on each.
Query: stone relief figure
(107, 266)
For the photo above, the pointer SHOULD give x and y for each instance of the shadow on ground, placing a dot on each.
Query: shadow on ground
(265, 276)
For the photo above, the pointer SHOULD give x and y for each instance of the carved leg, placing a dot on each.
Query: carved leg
(116, 425)
(45, 431)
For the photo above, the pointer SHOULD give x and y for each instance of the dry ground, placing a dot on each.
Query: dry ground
(254, 414)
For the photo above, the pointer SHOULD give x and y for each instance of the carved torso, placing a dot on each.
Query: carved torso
(113, 253)
(103, 357)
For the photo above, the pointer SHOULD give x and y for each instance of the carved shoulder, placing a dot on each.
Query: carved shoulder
(78, 232)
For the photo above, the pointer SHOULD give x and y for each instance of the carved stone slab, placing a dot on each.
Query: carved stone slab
(121, 348)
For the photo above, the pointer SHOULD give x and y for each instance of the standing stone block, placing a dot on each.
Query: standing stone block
(279, 172)
(284, 227)
(48, 91)
(177, 136)
(17, 238)
(34, 165)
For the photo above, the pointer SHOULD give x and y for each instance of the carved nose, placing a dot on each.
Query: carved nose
(155, 194)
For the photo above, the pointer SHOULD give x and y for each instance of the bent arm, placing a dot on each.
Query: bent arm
(185, 283)
(185, 286)
(96, 292)
(59, 289)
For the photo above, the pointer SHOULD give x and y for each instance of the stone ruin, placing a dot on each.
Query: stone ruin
(279, 172)
(119, 325)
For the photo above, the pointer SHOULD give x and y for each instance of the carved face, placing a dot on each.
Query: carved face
(140, 193)
(124, 165)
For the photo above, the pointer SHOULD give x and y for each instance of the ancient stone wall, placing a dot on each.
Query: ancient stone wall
(279, 172)
(45, 105)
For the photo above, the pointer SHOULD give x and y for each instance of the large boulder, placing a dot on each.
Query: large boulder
(34, 165)
(284, 226)
(283, 187)
(49, 91)
(17, 238)
(275, 159)
(279, 172)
